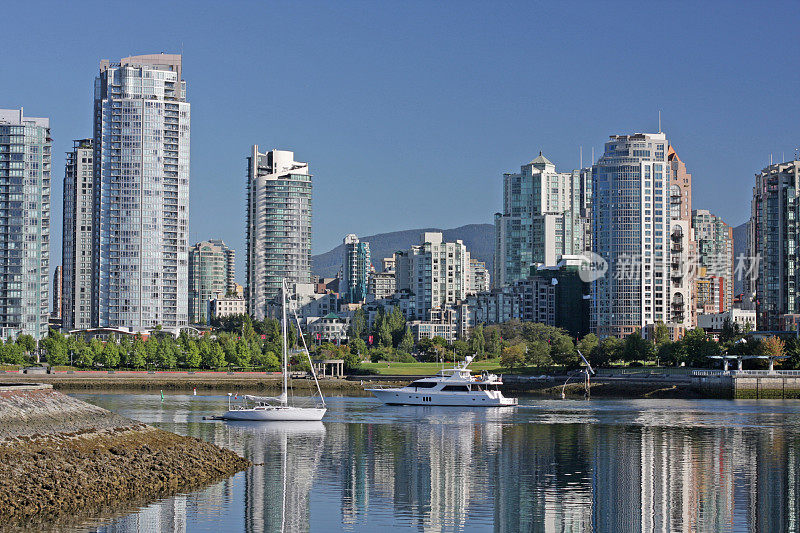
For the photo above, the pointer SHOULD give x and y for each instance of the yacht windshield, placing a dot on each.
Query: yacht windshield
(423, 384)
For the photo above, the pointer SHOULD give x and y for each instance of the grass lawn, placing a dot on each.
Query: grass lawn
(421, 369)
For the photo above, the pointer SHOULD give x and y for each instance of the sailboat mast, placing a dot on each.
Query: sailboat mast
(285, 341)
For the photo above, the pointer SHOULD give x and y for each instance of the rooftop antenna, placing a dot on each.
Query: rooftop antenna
(770, 159)
(659, 121)
(593, 155)
(581, 152)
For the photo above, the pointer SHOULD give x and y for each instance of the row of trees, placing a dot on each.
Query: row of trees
(240, 342)
(224, 350)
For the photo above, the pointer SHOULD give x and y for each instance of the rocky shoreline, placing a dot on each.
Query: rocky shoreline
(65, 461)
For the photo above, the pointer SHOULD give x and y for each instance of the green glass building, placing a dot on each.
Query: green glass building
(25, 146)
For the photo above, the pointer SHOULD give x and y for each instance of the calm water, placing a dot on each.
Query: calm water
(604, 465)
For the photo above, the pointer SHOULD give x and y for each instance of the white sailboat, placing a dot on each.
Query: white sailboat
(277, 408)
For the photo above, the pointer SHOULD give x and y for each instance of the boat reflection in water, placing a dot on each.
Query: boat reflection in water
(559, 466)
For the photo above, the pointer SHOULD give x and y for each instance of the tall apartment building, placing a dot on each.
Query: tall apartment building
(436, 272)
(776, 242)
(141, 193)
(278, 226)
(211, 273)
(540, 221)
(356, 267)
(58, 293)
(382, 284)
(682, 307)
(633, 232)
(714, 279)
(25, 160)
(76, 242)
(479, 278)
(585, 206)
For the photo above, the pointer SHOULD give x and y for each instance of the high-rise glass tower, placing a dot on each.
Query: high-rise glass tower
(540, 221)
(141, 193)
(775, 243)
(356, 265)
(631, 230)
(25, 145)
(278, 226)
(714, 280)
(76, 244)
(211, 272)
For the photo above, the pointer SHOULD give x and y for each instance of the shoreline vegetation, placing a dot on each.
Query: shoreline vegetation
(64, 461)
(222, 382)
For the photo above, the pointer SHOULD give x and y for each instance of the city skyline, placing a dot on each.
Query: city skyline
(330, 113)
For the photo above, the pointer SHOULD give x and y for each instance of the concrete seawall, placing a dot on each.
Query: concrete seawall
(63, 461)
(749, 386)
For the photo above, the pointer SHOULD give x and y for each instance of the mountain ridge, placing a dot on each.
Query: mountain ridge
(478, 238)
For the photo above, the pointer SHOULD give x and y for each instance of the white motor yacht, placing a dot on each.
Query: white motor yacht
(449, 387)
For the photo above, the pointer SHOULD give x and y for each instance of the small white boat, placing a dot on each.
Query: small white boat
(450, 387)
(270, 409)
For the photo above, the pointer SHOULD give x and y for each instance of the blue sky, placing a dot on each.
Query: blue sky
(409, 112)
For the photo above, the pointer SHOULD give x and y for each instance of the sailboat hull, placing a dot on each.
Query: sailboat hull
(276, 413)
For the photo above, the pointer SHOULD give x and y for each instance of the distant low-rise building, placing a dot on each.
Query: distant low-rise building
(429, 330)
(329, 328)
(745, 319)
(222, 306)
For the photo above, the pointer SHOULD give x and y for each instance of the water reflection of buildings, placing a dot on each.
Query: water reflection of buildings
(277, 488)
(455, 469)
(439, 475)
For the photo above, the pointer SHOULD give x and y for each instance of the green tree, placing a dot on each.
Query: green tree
(636, 348)
(109, 356)
(358, 325)
(672, 353)
(192, 357)
(660, 335)
(138, 353)
(461, 348)
(166, 354)
(243, 354)
(406, 343)
(13, 353)
(125, 356)
(587, 344)
(397, 325)
(385, 334)
(494, 343)
(477, 342)
(699, 347)
(27, 343)
(513, 356)
(608, 350)
(562, 350)
(151, 350)
(271, 362)
(538, 353)
(96, 351)
(55, 346)
(215, 357)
